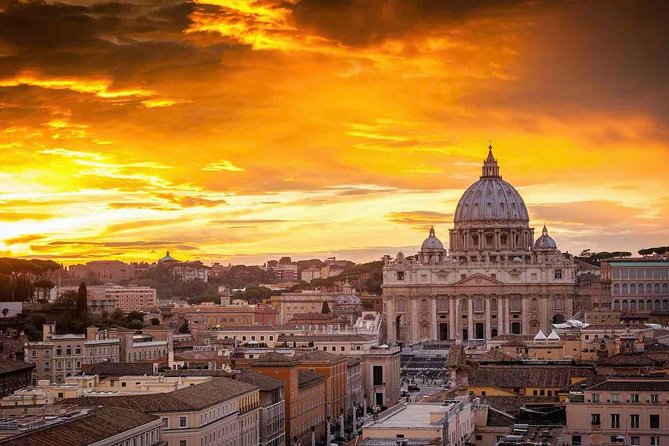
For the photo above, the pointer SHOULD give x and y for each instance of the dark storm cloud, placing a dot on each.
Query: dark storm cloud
(364, 22)
(596, 56)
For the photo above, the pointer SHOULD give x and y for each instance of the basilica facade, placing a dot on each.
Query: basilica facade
(495, 279)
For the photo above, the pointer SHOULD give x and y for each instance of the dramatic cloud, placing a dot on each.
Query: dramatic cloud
(242, 128)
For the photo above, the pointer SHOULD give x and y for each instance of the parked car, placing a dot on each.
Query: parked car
(414, 388)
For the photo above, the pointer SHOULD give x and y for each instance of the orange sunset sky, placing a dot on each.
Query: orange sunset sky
(240, 130)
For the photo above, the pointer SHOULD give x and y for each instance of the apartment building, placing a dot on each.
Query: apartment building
(109, 297)
(333, 368)
(304, 395)
(58, 356)
(219, 412)
(272, 407)
(604, 409)
(209, 315)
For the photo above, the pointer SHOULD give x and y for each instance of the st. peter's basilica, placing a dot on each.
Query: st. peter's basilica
(495, 279)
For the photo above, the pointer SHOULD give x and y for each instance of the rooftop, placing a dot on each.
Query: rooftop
(307, 377)
(265, 383)
(105, 369)
(197, 397)
(97, 425)
(10, 366)
(412, 416)
(273, 359)
(522, 376)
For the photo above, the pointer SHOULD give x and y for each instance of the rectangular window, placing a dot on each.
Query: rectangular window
(576, 440)
(378, 375)
(166, 423)
(595, 418)
(634, 421)
(182, 421)
(654, 421)
(635, 441)
(183, 442)
(595, 397)
(400, 275)
(615, 398)
(615, 421)
(558, 274)
(654, 441)
(634, 398)
(654, 398)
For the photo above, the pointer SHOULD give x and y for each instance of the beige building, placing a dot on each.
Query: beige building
(219, 412)
(637, 285)
(58, 356)
(634, 408)
(496, 279)
(450, 423)
(107, 298)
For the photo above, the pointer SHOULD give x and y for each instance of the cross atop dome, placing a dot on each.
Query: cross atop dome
(490, 166)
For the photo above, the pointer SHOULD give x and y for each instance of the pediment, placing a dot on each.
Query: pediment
(478, 280)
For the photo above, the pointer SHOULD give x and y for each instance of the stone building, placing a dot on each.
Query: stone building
(495, 279)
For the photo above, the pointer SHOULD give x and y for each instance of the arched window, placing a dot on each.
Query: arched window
(515, 303)
(632, 304)
(616, 289)
(658, 305)
(649, 288)
(616, 305)
(515, 328)
(665, 288)
(665, 305)
(533, 303)
(625, 291)
(443, 305)
(423, 305)
(493, 304)
(656, 289)
(493, 332)
(642, 305)
(68, 350)
(649, 305)
(400, 305)
(639, 289)
(625, 305)
(59, 351)
(632, 289)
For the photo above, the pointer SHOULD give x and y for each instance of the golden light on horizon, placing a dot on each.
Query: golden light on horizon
(236, 130)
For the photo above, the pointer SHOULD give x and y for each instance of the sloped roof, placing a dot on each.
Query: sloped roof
(513, 376)
(104, 369)
(274, 359)
(307, 377)
(97, 425)
(318, 356)
(264, 382)
(10, 366)
(197, 397)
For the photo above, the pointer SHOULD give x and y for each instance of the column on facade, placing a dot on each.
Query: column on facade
(488, 311)
(498, 242)
(513, 240)
(525, 316)
(544, 302)
(414, 319)
(391, 324)
(452, 307)
(470, 317)
(481, 244)
(433, 318)
(506, 325)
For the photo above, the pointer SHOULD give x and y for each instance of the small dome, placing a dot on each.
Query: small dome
(545, 241)
(432, 243)
(167, 258)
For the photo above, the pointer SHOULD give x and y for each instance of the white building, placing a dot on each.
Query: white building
(496, 279)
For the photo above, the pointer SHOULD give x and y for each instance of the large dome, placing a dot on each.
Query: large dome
(491, 199)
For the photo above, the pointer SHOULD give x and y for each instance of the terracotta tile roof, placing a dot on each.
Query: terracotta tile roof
(307, 377)
(628, 359)
(97, 425)
(198, 372)
(118, 369)
(11, 366)
(273, 359)
(197, 397)
(658, 382)
(493, 356)
(318, 356)
(352, 360)
(512, 376)
(498, 418)
(264, 382)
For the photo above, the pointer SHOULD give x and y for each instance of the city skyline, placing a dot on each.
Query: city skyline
(241, 131)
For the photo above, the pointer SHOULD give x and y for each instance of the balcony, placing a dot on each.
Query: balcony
(576, 397)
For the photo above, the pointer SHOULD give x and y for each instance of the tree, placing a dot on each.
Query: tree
(155, 321)
(326, 308)
(82, 298)
(5, 312)
(135, 316)
(184, 327)
(136, 324)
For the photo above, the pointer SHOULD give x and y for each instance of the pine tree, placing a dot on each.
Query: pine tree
(82, 296)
